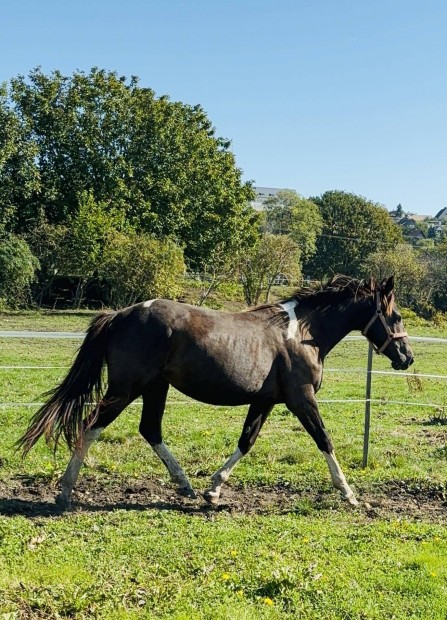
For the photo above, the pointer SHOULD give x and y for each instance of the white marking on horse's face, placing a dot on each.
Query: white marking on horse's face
(289, 307)
(148, 303)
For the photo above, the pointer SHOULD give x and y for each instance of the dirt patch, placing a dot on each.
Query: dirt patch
(34, 497)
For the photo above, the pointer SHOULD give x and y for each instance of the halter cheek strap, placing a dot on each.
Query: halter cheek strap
(390, 336)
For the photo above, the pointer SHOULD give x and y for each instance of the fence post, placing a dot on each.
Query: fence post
(367, 407)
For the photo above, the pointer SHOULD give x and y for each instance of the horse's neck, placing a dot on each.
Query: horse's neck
(333, 323)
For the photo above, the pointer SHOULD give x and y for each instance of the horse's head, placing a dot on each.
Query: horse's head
(385, 329)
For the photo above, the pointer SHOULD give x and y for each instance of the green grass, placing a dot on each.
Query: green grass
(46, 320)
(166, 565)
(314, 559)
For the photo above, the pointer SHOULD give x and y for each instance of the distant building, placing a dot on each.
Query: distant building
(262, 193)
(442, 214)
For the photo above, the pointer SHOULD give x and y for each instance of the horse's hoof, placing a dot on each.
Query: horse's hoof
(62, 502)
(211, 497)
(352, 501)
(187, 492)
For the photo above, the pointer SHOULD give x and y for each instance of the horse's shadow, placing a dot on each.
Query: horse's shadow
(35, 507)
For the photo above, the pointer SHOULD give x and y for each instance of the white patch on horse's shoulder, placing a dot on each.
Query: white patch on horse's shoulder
(289, 307)
(149, 303)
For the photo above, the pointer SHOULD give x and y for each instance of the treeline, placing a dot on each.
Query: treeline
(108, 194)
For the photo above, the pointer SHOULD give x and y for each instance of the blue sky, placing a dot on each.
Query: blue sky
(314, 96)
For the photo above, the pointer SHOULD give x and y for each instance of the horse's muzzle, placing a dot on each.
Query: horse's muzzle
(403, 365)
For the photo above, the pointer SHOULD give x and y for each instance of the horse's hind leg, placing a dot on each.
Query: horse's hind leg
(154, 401)
(109, 409)
(257, 414)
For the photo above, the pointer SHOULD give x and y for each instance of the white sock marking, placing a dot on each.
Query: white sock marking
(338, 478)
(173, 467)
(289, 307)
(71, 474)
(223, 473)
(226, 470)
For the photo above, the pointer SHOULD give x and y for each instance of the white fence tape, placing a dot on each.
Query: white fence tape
(79, 335)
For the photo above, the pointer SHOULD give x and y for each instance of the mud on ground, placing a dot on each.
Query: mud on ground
(34, 497)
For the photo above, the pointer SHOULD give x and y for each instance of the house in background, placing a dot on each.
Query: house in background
(262, 193)
(441, 215)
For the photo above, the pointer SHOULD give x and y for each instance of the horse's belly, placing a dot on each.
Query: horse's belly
(221, 386)
(221, 369)
(214, 394)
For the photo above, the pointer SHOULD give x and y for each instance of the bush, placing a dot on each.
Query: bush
(138, 267)
(17, 271)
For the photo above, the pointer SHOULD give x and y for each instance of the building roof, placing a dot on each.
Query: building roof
(442, 214)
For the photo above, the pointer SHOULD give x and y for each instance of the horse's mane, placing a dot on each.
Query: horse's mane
(337, 288)
(319, 295)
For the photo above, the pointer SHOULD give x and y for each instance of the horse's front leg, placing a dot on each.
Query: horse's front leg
(256, 417)
(304, 406)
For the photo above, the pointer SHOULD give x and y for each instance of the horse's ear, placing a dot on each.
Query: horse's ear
(387, 286)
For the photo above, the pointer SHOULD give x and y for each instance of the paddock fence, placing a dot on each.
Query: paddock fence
(368, 372)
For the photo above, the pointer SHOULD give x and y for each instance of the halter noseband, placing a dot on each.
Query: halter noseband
(390, 336)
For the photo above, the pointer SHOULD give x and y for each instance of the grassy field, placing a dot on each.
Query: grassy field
(280, 545)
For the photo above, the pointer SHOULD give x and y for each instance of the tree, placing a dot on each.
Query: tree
(78, 128)
(156, 161)
(435, 261)
(82, 251)
(399, 211)
(139, 267)
(48, 244)
(273, 255)
(289, 213)
(17, 269)
(18, 172)
(353, 228)
(414, 286)
(222, 266)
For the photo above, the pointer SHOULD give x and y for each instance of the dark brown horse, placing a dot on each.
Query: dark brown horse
(264, 356)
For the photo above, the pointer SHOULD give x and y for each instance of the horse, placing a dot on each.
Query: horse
(260, 357)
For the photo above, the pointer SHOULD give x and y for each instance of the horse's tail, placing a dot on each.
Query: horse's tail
(64, 411)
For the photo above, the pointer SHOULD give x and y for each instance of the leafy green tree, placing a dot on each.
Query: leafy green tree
(435, 261)
(414, 286)
(353, 228)
(17, 270)
(272, 256)
(195, 190)
(222, 266)
(156, 161)
(77, 127)
(47, 242)
(289, 213)
(18, 171)
(139, 267)
(82, 251)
